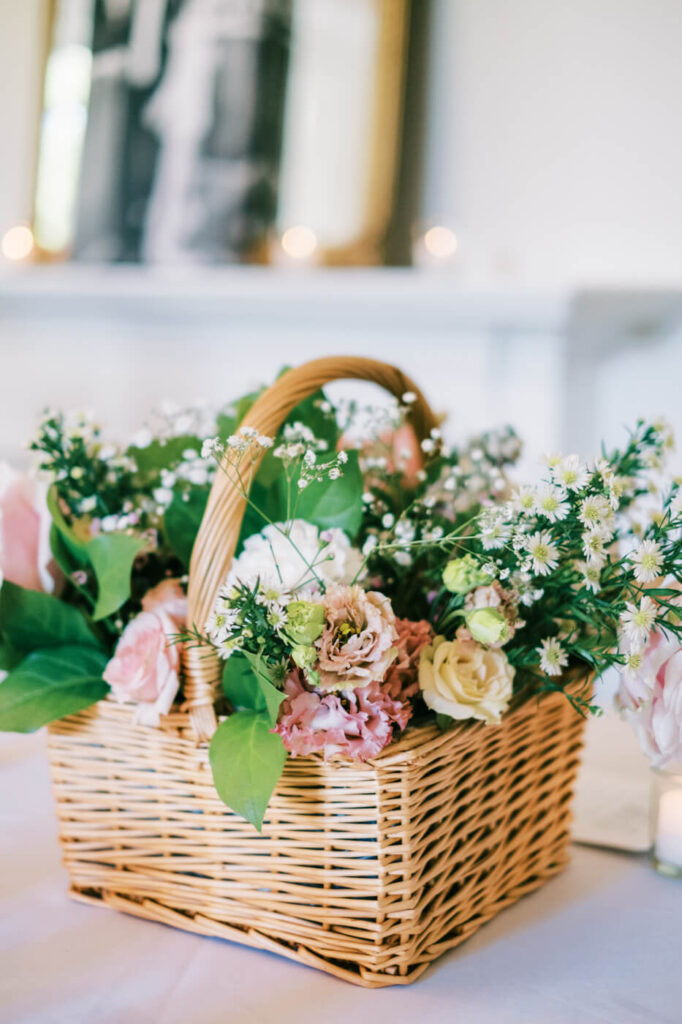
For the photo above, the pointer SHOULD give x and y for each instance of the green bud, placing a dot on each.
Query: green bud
(305, 622)
(463, 574)
(304, 657)
(487, 625)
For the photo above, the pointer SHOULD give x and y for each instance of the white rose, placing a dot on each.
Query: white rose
(282, 563)
(461, 679)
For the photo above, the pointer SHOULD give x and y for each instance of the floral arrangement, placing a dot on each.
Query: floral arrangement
(378, 582)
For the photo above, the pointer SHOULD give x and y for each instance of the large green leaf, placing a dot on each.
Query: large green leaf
(163, 454)
(112, 556)
(335, 503)
(9, 656)
(246, 761)
(30, 620)
(49, 684)
(248, 685)
(183, 519)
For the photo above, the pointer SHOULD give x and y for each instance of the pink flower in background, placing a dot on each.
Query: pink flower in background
(402, 681)
(25, 556)
(145, 666)
(358, 642)
(358, 723)
(651, 699)
(168, 597)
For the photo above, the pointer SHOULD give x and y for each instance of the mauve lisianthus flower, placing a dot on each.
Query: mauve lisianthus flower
(461, 679)
(357, 645)
(145, 666)
(357, 723)
(402, 680)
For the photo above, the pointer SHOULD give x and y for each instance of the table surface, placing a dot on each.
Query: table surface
(599, 943)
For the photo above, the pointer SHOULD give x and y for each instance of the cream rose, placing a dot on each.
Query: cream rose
(461, 679)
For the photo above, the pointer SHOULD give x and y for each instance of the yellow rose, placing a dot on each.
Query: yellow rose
(461, 679)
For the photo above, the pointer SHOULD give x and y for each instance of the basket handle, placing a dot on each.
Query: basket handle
(219, 531)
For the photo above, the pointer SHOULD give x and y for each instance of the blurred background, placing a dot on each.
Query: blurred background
(196, 192)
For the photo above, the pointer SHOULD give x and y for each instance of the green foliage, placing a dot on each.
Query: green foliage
(246, 760)
(50, 683)
(30, 620)
(163, 454)
(9, 656)
(183, 519)
(249, 686)
(335, 503)
(112, 556)
(70, 553)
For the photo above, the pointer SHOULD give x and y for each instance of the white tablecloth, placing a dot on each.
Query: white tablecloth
(600, 943)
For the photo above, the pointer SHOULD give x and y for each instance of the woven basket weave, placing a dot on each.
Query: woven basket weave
(368, 872)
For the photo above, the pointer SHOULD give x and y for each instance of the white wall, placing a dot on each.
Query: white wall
(556, 148)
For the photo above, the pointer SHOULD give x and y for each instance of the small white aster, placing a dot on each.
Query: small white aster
(543, 552)
(523, 500)
(571, 473)
(553, 658)
(647, 561)
(591, 573)
(593, 510)
(638, 622)
(551, 503)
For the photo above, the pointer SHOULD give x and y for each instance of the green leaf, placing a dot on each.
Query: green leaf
(264, 679)
(163, 454)
(335, 503)
(30, 620)
(248, 685)
(69, 552)
(246, 761)
(49, 684)
(9, 656)
(183, 519)
(112, 556)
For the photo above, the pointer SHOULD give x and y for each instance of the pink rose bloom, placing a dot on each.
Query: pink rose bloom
(358, 642)
(25, 556)
(145, 666)
(168, 597)
(357, 724)
(402, 681)
(651, 700)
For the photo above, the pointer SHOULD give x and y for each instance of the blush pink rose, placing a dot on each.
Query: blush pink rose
(145, 666)
(25, 556)
(357, 645)
(651, 700)
(168, 597)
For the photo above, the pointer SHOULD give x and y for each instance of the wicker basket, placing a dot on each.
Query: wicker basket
(367, 872)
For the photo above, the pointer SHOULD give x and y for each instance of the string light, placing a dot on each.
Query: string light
(17, 243)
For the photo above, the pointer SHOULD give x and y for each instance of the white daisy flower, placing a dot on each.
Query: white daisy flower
(593, 545)
(553, 658)
(523, 500)
(495, 534)
(591, 573)
(647, 561)
(543, 552)
(571, 473)
(638, 622)
(593, 510)
(551, 503)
